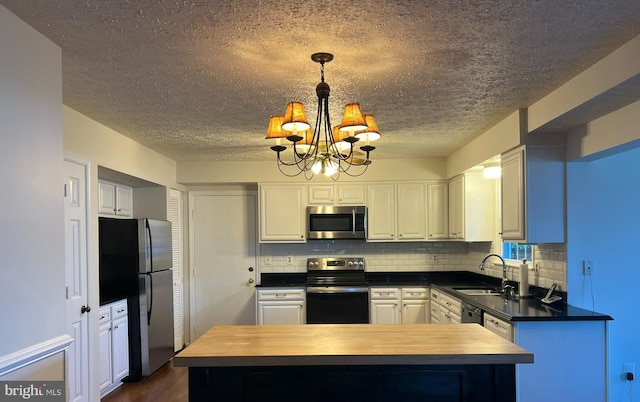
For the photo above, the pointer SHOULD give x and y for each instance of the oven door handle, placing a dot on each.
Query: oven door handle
(337, 289)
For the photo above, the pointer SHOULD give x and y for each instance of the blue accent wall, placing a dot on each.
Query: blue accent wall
(603, 224)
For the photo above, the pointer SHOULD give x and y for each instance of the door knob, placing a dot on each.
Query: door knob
(85, 309)
(250, 280)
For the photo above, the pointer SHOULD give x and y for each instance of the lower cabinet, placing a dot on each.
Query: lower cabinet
(445, 309)
(399, 305)
(384, 307)
(415, 306)
(114, 345)
(281, 306)
(498, 326)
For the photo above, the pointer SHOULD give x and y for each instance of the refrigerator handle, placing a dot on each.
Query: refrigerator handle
(150, 290)
(149, 299)
(149, 245)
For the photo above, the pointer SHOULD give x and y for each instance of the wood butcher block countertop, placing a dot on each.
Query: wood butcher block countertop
(350, 344)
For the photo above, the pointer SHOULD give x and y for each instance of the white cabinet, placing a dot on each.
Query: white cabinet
(396, 211)
(281, 306)
(445, 309)
(411, 211)
(336, 194)
(456, 208)
(384, 306)
(282, 213)
(533, 194)
(438, 211)
(399, 305)
(114, 200)
(415, 306)
(113, 337)
(381, 210)
(120, 355)
(105, 340)
(498, 326)
(471, 207)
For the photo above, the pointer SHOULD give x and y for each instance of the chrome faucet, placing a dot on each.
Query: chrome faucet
(504, 286)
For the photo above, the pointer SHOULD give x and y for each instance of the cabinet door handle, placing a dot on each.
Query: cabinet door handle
(280, 295)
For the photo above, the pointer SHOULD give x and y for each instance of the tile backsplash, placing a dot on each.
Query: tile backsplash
(550, 259)
(549, 266)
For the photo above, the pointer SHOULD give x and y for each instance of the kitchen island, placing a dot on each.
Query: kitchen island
(349, 362)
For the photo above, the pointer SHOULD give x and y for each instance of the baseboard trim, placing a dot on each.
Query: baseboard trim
(33, 353)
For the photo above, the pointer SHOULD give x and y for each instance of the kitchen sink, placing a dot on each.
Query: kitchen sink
(478, 291)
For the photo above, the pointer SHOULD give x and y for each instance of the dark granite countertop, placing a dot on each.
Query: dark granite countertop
(283, 279)
(524, 309)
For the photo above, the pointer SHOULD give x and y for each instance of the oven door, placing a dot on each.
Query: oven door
(337, 305)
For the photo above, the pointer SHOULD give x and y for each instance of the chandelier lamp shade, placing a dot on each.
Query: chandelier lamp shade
(323, 149)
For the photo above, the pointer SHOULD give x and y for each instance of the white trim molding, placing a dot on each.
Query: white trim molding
(34, 353)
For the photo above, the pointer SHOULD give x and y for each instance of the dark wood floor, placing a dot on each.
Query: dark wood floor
(167, 384)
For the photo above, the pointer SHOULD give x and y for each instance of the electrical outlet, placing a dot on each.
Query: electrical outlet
(289, 260)
(268, 260)
(629, 368)
(587, 267)
(434, 258)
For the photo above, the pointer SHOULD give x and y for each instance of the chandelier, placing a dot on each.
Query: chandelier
(326, 150)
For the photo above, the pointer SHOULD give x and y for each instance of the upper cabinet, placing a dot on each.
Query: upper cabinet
(336, 194)
(282, 213)
(471, 207)
(438, 211)
(412, 211)
(533, 194)
(114, 200)
(396, 211)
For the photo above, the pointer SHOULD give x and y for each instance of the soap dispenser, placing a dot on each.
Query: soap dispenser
(524, 279)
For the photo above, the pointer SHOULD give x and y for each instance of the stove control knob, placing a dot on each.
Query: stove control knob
(360, 263)
(350, 263)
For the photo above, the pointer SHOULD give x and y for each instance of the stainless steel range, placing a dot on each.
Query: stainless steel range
(337, 291)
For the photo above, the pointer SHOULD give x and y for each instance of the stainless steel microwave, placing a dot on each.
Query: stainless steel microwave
(337, 222)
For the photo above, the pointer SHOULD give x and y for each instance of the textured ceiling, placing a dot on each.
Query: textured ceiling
(198, 80)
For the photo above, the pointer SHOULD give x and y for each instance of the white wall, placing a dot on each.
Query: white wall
(105, 147)
(202, 172)
(607, 135)
(603, 226)
(32, 273)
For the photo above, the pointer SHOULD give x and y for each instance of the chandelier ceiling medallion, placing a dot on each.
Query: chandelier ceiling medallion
(326, 150)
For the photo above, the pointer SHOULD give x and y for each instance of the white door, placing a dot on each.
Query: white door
(223, 260)
(76, 279)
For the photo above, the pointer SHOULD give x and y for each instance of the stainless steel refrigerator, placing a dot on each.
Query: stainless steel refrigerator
(135, 263)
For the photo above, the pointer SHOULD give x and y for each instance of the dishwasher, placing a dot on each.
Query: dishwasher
(471, 314)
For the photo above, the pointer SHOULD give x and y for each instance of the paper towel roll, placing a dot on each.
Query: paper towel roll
(524, 278)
